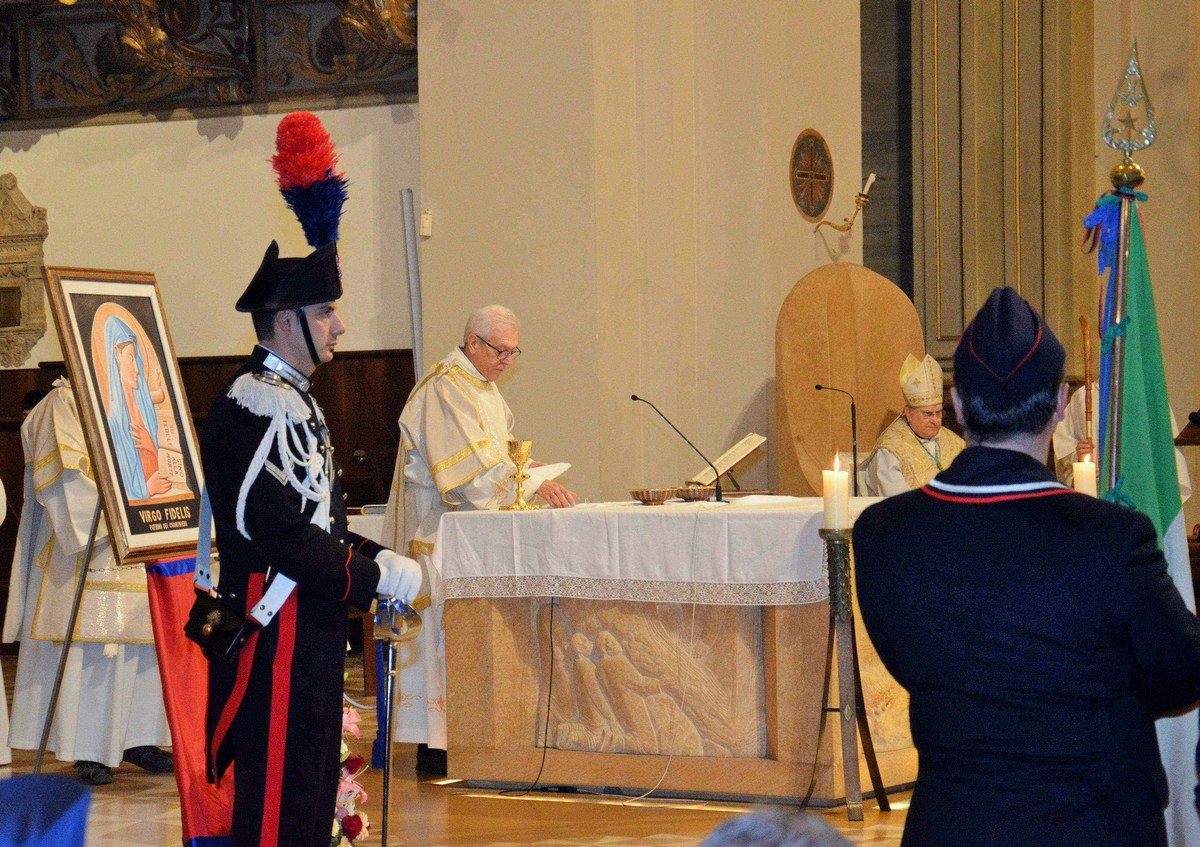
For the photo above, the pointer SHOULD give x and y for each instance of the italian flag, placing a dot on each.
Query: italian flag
(1148, 481)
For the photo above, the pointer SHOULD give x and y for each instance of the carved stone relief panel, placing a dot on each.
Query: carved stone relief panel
(646, 678)
(23, 229)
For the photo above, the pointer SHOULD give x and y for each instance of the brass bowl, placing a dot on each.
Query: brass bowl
(652, 496)
(695, 493)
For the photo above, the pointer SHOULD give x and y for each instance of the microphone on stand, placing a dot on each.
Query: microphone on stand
(717, 481)
(853, 429)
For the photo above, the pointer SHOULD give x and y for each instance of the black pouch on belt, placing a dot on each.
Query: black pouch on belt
(219, 630)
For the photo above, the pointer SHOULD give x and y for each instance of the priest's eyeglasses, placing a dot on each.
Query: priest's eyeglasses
(501, 354)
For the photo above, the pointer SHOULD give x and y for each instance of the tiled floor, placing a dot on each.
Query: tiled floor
(141, 810)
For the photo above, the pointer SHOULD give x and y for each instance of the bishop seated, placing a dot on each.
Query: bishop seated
(915, 447)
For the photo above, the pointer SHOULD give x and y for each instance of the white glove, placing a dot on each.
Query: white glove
(399, 576)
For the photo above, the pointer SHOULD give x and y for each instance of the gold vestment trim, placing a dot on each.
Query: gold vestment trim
(471, 378)
(473, 447)
(116, 586)
(43, 556)
(82, 464)
(461, 482)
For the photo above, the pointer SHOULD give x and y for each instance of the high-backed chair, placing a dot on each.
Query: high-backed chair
(847, 327)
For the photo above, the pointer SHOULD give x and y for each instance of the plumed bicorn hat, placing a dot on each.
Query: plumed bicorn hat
(1007, 353)
(305, 165)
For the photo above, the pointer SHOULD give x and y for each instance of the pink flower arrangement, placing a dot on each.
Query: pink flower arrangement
(349, 823)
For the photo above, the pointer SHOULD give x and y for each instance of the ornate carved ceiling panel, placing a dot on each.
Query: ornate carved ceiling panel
(115, 57)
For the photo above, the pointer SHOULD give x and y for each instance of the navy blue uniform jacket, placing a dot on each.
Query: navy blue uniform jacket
(277, 713)
(1039, 636)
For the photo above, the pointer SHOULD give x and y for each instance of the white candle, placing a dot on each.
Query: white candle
(1084, 474)
(836, 489)
(867, 188)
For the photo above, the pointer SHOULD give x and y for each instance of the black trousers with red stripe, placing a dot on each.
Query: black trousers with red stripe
(284, 736)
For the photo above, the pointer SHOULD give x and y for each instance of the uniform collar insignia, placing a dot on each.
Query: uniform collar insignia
(282, 370)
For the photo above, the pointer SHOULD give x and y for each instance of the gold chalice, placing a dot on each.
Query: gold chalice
(520, 451)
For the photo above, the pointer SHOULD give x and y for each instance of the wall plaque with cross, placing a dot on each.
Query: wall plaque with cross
(811, 175)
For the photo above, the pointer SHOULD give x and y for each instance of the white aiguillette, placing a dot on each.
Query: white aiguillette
(729, 459)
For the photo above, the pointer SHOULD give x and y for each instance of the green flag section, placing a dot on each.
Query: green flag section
(1147, 478)
(1148, 481)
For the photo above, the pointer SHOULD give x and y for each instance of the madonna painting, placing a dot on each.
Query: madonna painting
(132, 407)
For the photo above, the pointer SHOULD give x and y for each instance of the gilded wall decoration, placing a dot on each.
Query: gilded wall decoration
(315, 45)
(130, 57)
(71, 70)
(8, 88)
(200, 44)
(23, 229)
(389, 25)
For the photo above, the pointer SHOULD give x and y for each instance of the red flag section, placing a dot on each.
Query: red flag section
(207, 811)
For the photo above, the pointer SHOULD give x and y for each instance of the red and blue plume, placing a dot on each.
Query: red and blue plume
(305, 163)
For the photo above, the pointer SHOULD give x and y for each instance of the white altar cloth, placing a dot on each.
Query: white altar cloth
(760, 553)
(755, 553)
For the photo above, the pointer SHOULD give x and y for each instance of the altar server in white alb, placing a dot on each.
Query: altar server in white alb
(110, 708)
(1072, 430)
(915, 447)
(453, 456)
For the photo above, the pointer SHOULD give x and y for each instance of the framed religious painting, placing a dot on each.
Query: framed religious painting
(132, 408)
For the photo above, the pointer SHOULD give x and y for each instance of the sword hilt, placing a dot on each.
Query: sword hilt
(395, 620)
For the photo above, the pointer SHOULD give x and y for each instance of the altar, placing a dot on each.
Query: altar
(680, 646)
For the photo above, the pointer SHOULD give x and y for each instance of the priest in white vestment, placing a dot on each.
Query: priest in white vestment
(915, 447)
(110, 707)
(453, 456)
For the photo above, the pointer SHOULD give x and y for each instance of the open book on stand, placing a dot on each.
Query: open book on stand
(729, 459)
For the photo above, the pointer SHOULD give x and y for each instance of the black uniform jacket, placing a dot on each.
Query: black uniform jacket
(277, 711)
(1039, 636)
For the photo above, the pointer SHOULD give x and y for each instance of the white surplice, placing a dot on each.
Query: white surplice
(1073, 427)
(453, 455)
(111, 696)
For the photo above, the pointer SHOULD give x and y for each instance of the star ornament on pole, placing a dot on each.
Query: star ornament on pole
(1129, 124)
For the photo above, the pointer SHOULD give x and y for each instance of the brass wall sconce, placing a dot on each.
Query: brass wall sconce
(861, 201)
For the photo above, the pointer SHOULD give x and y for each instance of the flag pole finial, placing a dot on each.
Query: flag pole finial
(1129, 124)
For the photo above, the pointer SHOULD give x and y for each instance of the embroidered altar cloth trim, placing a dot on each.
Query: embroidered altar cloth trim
(756, 555)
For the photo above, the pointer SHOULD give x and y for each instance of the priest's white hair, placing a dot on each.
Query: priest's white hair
(483, 322)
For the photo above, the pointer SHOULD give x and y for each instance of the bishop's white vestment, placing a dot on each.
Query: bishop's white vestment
(453, 455)
(111, 696)
(903, 461)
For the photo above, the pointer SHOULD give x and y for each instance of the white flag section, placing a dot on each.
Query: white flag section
(1146, 476)
(1178, 737)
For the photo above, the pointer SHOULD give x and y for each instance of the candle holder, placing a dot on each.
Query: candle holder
(520, 451)
(861, 201)
(850, 694)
